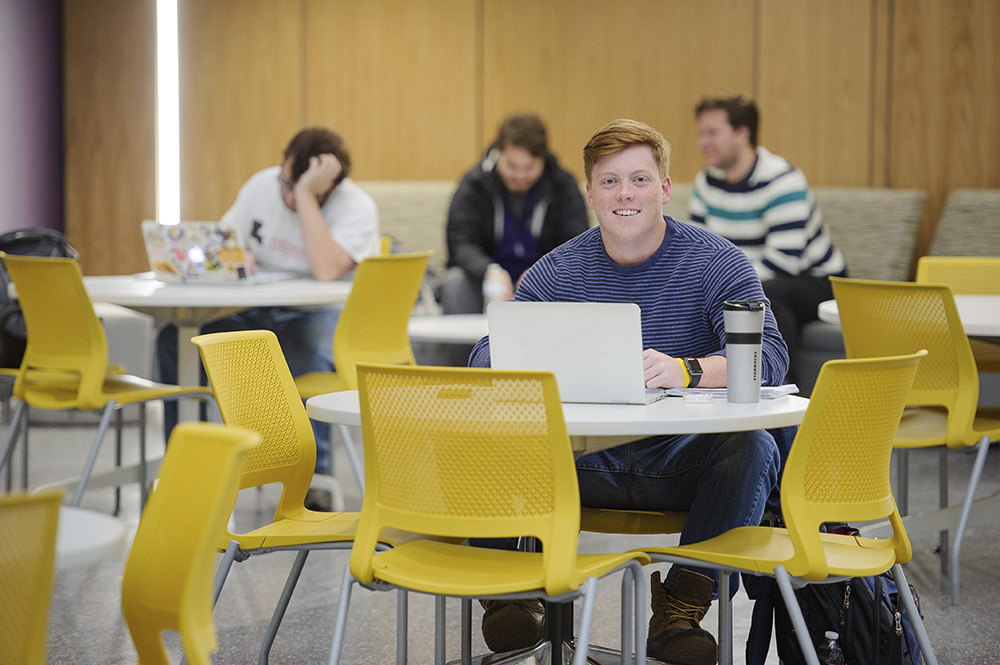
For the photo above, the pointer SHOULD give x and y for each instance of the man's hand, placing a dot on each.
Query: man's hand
(318, 178)
(661, 370)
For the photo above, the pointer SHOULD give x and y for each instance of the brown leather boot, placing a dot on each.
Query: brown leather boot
(674, 635)
(511, 625)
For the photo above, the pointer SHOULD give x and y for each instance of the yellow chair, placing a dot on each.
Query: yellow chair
(372, 329)
(474, 453)
(967, 275)
(386, 244)
(65, 363)
(167, 584)
(255, 391)
(28, 526)
(891, 318)
(837, 471)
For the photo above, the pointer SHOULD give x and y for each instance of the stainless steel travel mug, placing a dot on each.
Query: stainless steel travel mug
(744, 321)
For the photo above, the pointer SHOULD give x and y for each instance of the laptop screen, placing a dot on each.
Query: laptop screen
(593, 348)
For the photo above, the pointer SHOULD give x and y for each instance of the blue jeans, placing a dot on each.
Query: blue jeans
(306, 339)
(722, 480)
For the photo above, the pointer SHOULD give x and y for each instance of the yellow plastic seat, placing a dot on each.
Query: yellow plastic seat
(65, 363)
(891, 318)
(371, 329)
(255, 391)
(837, 471)
(386, 244)
(28, 526)
(474, 453)
(167, 584)
(967, 275)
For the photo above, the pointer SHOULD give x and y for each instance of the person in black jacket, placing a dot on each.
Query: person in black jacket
(508, 211)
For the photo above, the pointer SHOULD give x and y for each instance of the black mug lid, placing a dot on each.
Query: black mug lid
(743, 305)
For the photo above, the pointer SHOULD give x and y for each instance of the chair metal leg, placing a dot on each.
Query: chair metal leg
(8, 447)
(352, 456)
(279, 611)
(466, 654)
(963, 522)
(222, 572)
(341, 622)
(118, 458)
(439, 629)
(943, 503)
(795, 614)
(902, 492)
(586, 619)
(25, 450)
(725, 620)
(402, 626)
(92, 457)
(628, 587)
(143, 480)
(911, 610)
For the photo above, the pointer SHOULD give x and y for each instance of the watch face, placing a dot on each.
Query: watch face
(693, 366)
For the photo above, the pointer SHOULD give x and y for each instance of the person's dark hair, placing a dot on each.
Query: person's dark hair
(741, 112)
(526, 131)
(312, 142)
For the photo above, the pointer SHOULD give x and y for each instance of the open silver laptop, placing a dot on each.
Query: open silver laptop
(201, 253)
(593, 348)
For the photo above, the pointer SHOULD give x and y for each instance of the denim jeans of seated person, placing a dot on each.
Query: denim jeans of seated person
(306, 339)
(722, 480)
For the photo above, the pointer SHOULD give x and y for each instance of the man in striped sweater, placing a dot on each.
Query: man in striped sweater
(763, 205)
(680, 276)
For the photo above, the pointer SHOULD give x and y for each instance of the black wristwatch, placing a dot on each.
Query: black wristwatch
(694, 369)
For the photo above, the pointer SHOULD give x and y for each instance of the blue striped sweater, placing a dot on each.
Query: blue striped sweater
(771, 215)
(680, 290)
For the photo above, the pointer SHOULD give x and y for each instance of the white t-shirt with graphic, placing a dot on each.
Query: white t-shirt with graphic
(271, 230)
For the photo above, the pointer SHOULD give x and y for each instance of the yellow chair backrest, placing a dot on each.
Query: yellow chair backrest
(65, 337)
(28, 526)
(255, 391)
(896, 318)
(386, 244)
(167, 584)
(972, 275)
(372, 327)
(456, 452)
(838, 466)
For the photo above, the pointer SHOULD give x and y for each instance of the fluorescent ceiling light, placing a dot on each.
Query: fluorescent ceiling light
(168, 132)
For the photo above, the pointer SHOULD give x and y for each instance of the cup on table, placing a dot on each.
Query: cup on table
(744, 321)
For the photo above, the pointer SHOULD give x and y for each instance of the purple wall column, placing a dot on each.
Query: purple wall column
(31, 133)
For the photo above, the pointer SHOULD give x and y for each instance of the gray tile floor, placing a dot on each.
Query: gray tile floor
(86, 625)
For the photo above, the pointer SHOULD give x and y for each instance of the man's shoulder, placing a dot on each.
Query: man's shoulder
(773, 168)
(350, 193)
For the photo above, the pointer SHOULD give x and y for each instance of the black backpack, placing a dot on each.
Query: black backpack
(873, 626)
(23, 242)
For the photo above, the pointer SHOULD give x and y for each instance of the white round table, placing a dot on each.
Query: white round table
(190, 306)
(448, 328)
(86, 536)
(594, 427)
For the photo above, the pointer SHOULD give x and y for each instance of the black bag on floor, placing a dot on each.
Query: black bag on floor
(866, 612)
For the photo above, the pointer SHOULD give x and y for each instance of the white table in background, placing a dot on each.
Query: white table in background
(190, 306)
(86, 536)
(448, 328)
(980, 314)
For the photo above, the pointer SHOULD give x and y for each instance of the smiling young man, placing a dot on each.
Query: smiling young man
(763, 204)
(680, 276)
(516, 205)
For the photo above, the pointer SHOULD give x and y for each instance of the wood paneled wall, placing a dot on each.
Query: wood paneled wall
(899, 93)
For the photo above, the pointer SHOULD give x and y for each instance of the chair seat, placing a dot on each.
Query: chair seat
(924, 427)
(761, 549)
(460, 570)
(318, 383)
(604, 520)
(124, 388)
